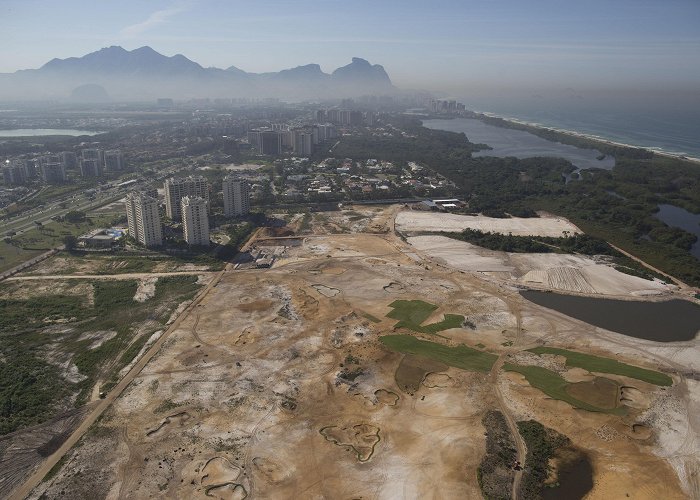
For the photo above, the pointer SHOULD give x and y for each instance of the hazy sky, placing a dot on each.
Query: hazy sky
(436, 44)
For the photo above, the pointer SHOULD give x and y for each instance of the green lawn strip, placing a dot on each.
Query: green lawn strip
(554, 386)
(460, 356)
(412, 313)
(606, 365)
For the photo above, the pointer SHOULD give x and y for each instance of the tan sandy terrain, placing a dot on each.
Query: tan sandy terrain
(414, 220)
(276, 386)
(572, 273)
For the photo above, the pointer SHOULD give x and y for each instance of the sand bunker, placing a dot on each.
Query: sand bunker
(178, 419)
(430, 221)
(326, 291)
(385, 397)
(361, 438)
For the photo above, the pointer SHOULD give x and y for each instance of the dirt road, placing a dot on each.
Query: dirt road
(110, 277)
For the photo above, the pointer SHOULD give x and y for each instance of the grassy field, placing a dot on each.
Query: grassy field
(554, 386)
(55, 345)
(606, 365)
(461, 356)
(412, 313)
(34, 242)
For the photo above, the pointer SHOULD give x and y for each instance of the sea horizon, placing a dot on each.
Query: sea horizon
(666, 130)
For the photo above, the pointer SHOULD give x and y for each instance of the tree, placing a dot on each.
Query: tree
(75, 216)
(70, 242)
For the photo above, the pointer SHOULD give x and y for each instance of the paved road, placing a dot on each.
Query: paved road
(124, 276)
(35, 479)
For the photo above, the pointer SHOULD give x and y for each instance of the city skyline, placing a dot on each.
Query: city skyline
(442, 46)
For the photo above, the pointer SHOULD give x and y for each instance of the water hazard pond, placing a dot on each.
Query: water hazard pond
(667, 321)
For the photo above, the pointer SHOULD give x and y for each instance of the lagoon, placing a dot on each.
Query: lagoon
(42, 132)
(518, 143)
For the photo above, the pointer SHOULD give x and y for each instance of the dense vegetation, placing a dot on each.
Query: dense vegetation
(495, 472)
(617, 205)
(43, 334)
(541, 444)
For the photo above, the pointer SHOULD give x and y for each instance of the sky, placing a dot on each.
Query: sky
(436, 45)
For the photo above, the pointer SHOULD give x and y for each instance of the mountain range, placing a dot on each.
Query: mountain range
(144, 74)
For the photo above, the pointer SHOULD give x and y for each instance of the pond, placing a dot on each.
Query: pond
(667, 321)
(681, 219)
(575, 481)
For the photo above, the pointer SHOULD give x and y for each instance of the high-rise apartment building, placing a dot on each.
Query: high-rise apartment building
(270, 142)
(302, 142)
(195, 220)
(91, 162)
(14, 173)
(144, 219)
(114, 161)
(69, 159)
(236, 196)
(177, 188)
(52, 172)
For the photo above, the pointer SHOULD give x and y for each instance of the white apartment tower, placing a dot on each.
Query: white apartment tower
(176, 188)
(114, 160)
(236, 196)
(195, 220)
(144, 219)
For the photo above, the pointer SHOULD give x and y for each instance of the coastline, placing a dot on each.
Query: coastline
(581, 135)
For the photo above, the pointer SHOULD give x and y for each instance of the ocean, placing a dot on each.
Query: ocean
(664, 122)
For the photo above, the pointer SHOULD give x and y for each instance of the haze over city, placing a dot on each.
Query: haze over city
(441, 45)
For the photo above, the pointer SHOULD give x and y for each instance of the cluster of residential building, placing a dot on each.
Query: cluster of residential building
(186, 201)
(52, 168)
(280, 138)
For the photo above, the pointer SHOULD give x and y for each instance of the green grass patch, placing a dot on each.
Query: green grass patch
(606, 365)
(461, 356)
(554, 386)
(412, 313)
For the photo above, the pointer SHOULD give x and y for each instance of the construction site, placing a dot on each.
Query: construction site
(356, 357)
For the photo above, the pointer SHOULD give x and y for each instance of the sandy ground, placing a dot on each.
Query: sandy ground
(246, 399)
(250, 397)
(411, 221)
(572, 273)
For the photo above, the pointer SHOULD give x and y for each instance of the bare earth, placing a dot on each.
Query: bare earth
(409, 221)
(572, 273)
(250, 396)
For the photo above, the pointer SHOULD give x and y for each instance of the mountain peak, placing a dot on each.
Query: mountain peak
(360, 61)
(144, 72)
(360, 71)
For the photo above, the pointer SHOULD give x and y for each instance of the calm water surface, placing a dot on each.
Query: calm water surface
(682, 219)
(667, 321)
(520, 144)
(39, 132)
(575, 481)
